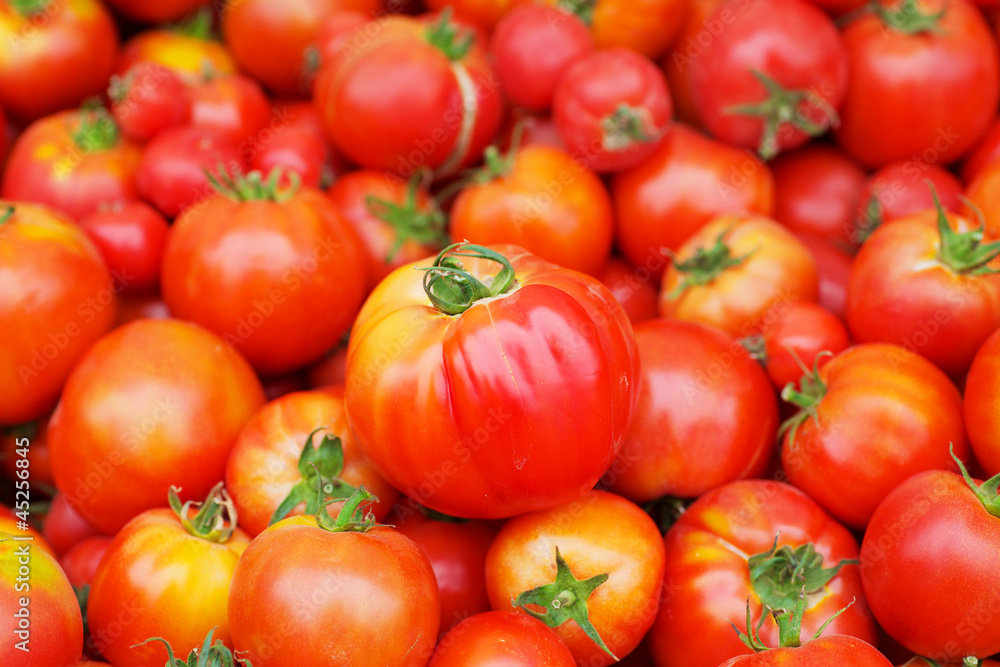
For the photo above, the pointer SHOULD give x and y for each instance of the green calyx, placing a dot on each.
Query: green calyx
(705, 265)
(96, 130)
(565, 599)
(782, 107)
(253, 187)
(354, 515)
(908, 19)
(756, 346)
(320, 469)
(806, 397)
(963, 252)
(215, 519)
(453, 290)
(29, 8)
(625, 126)
(583, 9)
(452, 40)
(197, 26)
(6, 213)
(409, 222)
(988, 492)
(779, 576)
(209, 655)
(789, 623)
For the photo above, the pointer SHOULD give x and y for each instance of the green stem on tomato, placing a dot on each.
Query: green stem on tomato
(453, 290)
(216, 518)
(253, 186)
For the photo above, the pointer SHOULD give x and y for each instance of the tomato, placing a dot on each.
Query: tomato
(611, 109)
(166, 574)
(147, 99)
(341, 592)
(188, 49)
(838, 7)
(909, 61)
(532, 48)
(689, 180)
(707, 415)
(981, 388)
(467, 406)
(175, 395)
(986, 151)
(734, 271)
(899, 190)
(983, 200)
(56, 298)
(81, 561)
(53, 54)
(925, 662)
(73, 161)
(597, 561)
(64, 527)
(157, 11)
(919, 283)
(234, 106)
(542, 200)
(820, 652)
(695, 34)
(140, 307)
(171, 173)
(221, 270)
(41, 621)
(834, 266)
(397, 220)
(874, 415)
(925, 545)
(35, 450)
(753, 542)
(483, 14)
(772, 78)
(330, 370)
(130, 236)
(632, 287)
(11, 523)
(816, 192)
(497, 637)
(796, 335)
(436, 72)
(293, 148)
(456, 549)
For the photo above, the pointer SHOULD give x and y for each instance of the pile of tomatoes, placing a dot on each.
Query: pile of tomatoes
(458, 333)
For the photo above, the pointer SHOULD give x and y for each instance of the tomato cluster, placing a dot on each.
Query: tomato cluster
(459, 333)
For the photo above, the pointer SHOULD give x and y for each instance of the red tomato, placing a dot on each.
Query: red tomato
(41, 620)
(689, 180)
(73, 161)
(909, 61)
(611, 109)
(483, 14)
(532, 48)
(982, 386)
(497, 637)
(64, 527)
(554, 358)
(633, 287)
(707, 415)
(187, 49)
(130, 236)
(597, 561)
(147, 99)
(53, 55)
(838, 7)
(177, 396)
(870, 418)
(820, 652)
(142, 307)
(772, 78)
(292, 148)
(56, 298)
(157, 11)
(28, 441)
(753, 542)
(234, 106)
(834, 266)
(695, 34)
(542, 200)
(330, 370)
(983, 200)
(795, 336)
(900, 190)
(81, 561)
(985, 152)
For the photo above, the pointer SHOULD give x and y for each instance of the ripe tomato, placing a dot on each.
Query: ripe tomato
(497, 637)
(899, 190)
(157, 11)
(46, 630)
(909, 61)
(756, 540)
(436, 72)
(173, 395)
(147, 99)
(837, 650)
(130, 236)
(330, 370)
(597, 561)
(56, 298)
(696, 33)
(63, 526)
(483, 14)
(468, 406)
(141, 307)
(342, 592)
(934, 530)
(983, 200)
(293, 140)
(234, 106)
(532, 48)
(689, 180)
(981, 388)
(166, 574)
(188, 49)
(73, 161)
(834, 266)
(795, 336)
(222, 270)
(12, 446)
(542, 200)
(81, 561)
(986, 151)
(633, 287)
(772, 78)
(733, 271)
(611, 109)
(53, 54)
(270, 465)
(871, 417)
(707, 415)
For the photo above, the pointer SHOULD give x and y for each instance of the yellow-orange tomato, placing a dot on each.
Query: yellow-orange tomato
(191, 57)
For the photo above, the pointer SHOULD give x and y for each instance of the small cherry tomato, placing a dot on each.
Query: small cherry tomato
(147, 99)
(131, 236)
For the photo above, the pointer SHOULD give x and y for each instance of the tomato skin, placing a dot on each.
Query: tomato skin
(520, 382)
(591, 92)
(81, 561)
(693, 432)
(131, 236)
(807, 329)
(52, 605)
(52, 60)
(933, 530)
(67, 309)
(64, 527)
(633, 288)
(985, 152)
(157, 11)
(680, 184)
(234, 106)
(176, 393)
(166, 583)
(294, 562)
(187, 55)
(263, 465)
(981, 389)
(484, 14)
(899, 190)
(903, 420)
(293, 148)
(834, 266)
(707, 580)
(148, 99)
(630, 550)
(330, 370)
(826, 650)
(497, 637)
(983, 199)
(532, 48)
(898, 106)
(546, 203)
(223, 254)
